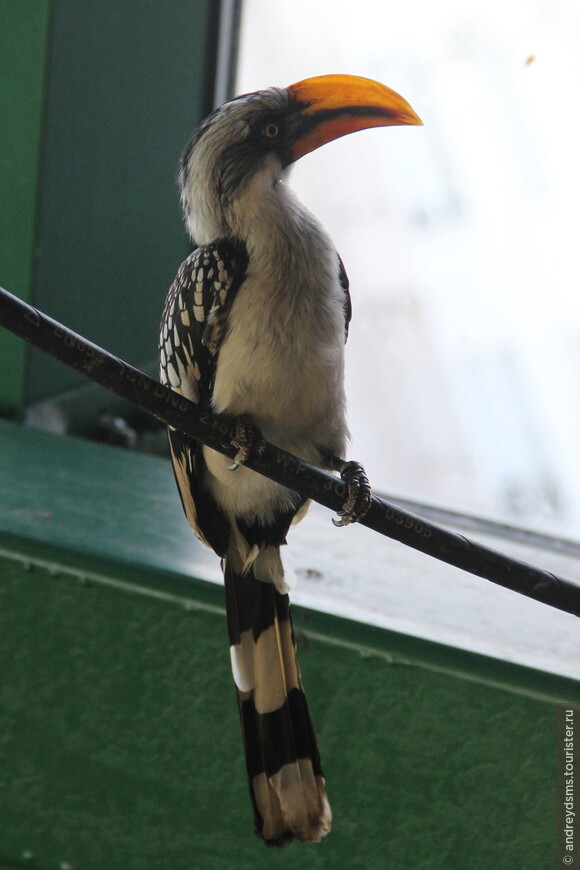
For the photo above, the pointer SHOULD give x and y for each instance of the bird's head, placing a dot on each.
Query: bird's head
(249, 142)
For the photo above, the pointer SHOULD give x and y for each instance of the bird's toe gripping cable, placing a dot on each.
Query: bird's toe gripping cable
(247, 439)
(358, 493)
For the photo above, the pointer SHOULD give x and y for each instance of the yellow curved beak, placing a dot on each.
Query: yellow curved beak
(336, 105)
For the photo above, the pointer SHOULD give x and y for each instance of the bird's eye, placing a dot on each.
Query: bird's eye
(271, 131)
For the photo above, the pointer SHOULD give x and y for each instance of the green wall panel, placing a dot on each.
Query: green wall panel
(126, 84)
(121, 748)
(119, 738)
(23, 39)
(97, 101)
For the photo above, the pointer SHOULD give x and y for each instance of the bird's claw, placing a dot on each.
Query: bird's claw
(358, 494)
(247, 440)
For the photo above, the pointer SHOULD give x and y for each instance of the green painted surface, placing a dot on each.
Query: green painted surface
(23, 37)
(119, 740)
(103, 97)
(127, 82)
(79, 498)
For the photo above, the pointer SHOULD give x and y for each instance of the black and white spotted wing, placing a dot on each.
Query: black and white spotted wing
(193, 325)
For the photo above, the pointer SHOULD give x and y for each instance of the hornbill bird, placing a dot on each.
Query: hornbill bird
(254, 328)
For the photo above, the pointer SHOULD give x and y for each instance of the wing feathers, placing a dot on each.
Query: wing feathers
(193, 324)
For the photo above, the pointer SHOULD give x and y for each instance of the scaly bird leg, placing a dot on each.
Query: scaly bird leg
(247, 439)
(358, 490)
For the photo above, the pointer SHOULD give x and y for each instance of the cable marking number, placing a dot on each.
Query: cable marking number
(410, 523)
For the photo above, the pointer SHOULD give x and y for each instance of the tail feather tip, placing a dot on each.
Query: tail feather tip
(292, 814)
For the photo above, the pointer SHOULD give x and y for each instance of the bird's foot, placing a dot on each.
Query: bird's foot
(358, 494)
(246, 438)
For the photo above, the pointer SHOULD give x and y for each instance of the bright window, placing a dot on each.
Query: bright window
(460, 240)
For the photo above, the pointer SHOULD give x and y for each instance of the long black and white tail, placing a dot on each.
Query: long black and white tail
(282, 760)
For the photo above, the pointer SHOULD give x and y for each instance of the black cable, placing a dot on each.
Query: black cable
(163, 403)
